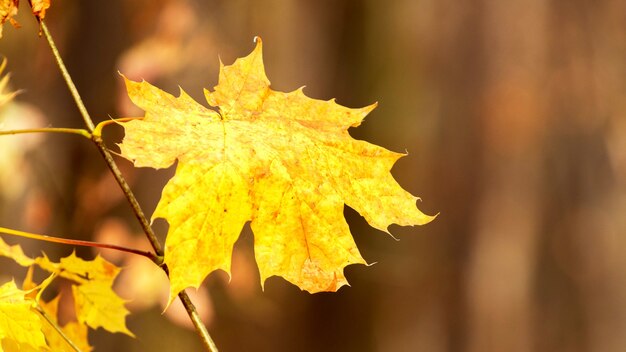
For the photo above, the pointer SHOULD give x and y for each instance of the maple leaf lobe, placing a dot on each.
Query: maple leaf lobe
(283, 161)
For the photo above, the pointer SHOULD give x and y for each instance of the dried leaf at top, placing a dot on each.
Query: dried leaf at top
(8, 9)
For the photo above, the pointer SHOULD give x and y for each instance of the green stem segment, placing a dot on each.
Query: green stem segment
(158, 248)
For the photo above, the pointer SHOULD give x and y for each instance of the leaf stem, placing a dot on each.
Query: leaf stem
(78, 131)
(98, 130)
(149, 255)
(143, 221)
(56, 326)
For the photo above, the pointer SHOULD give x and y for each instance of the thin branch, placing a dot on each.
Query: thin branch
(207, 341)
(145, 225)
(68, 79)
(158, 248)
(78, 131)
(121, 181)
(56, 326)
(73, 242)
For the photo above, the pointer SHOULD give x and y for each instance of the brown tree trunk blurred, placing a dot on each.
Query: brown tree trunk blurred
(504, 255)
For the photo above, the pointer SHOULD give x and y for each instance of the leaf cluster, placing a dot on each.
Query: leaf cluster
(28, 323)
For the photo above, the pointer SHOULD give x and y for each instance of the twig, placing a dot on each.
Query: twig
(158, 260)
(68, 79)
(197, 322)
(158, 248)
(121, 181)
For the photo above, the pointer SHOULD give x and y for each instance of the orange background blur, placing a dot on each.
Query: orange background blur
(512, 113)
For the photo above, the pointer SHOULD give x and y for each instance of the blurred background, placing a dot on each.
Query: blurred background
(512, 113)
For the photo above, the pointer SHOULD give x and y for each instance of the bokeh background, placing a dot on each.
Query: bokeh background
(513, 115)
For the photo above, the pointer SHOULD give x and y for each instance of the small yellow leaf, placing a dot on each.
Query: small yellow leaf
(283, 161)
(98, 306)
(96, 303)
(20, 324)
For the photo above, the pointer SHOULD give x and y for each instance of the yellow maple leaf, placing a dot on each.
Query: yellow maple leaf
(283, 161)
(97, 305)
(20, 324)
